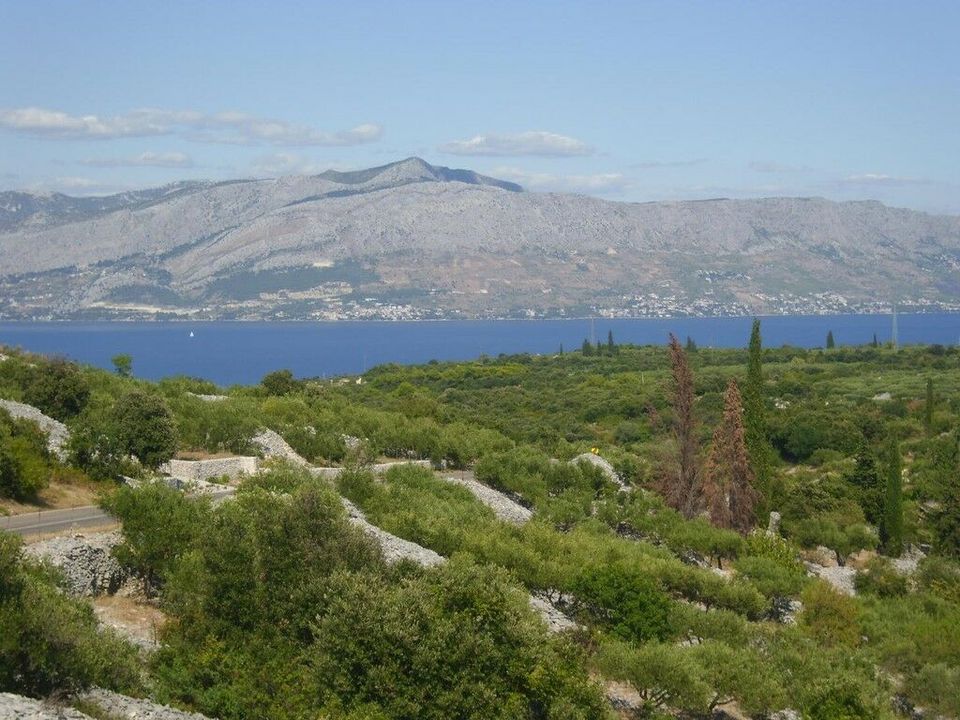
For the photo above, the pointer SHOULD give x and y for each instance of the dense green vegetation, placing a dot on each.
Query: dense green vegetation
(280, 608)
(50, 643)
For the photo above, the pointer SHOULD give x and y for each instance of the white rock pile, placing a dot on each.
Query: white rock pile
(127, 708)
(556, 621)
(503, 507)
(272, 445)
(17, 707)
(85, 561)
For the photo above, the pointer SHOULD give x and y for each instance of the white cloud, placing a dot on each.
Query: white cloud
(597, 184)
(224, 127)
(144, 159)
(534, 142)
(880, 179)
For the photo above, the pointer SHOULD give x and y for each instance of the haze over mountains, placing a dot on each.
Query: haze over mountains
(411, 239)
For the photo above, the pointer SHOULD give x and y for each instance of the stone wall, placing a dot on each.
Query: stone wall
(232, 467)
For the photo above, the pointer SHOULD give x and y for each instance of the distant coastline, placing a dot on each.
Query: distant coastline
(229, 352)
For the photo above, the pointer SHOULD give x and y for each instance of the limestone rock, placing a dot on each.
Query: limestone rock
(85, 561)
(773, 525)
(272, 445)
(127, 708)
(503, 507)
(17, 707)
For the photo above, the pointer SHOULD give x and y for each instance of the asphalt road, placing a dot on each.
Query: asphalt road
(48, 522)
(55, 521)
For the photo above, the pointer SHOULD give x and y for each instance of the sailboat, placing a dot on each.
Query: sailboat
(191, 333)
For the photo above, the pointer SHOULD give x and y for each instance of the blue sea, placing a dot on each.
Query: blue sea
(234, 352)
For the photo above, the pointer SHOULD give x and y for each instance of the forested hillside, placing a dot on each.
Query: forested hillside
(748, 532)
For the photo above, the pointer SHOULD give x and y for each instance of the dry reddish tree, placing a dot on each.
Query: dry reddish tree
(728, 481)
(682, 489)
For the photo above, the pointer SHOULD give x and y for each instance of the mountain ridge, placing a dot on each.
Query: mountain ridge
(410, 239)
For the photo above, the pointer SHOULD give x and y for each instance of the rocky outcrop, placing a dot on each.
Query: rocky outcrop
(86, 562)
(17, 707)
(127, 708)
(555, 619)
(907, 563)
(57, 434)
(503, 507)
(209, 398)
(785, 610)
(840, 577)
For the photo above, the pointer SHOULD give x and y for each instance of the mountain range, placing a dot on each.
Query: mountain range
(414, 240)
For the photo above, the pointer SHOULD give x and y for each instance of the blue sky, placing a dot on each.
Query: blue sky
(625, 100)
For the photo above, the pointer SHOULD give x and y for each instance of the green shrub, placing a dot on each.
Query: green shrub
(50, 643)
(159, 525)
(771, 577)
(138, 425)
(625, 602)
(58, 388)
(940, 576)
(880, 578)
(460, 642)
(829, 617)
(761, 544)
(24, 464)
(936, 687)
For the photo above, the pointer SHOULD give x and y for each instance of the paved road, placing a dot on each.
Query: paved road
(49, 522)
(53, 521)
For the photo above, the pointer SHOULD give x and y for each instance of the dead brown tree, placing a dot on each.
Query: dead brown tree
(728, 485)
(681, 486)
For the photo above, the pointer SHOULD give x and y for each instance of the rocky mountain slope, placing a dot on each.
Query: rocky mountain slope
(413, 240)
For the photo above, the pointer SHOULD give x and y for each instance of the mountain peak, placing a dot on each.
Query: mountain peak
(414, 169)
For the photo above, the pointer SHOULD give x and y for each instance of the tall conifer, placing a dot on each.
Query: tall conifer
(754, 418)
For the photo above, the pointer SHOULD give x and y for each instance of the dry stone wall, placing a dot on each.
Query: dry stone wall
(193, 470)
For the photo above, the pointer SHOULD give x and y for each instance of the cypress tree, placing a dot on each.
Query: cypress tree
(691, 345)
(587, 348)
(610, 346)
(928, 409)
(891, 525)
(754, 418)
(865, 476)
(875, 343)
(830, 341)
(561, 348)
